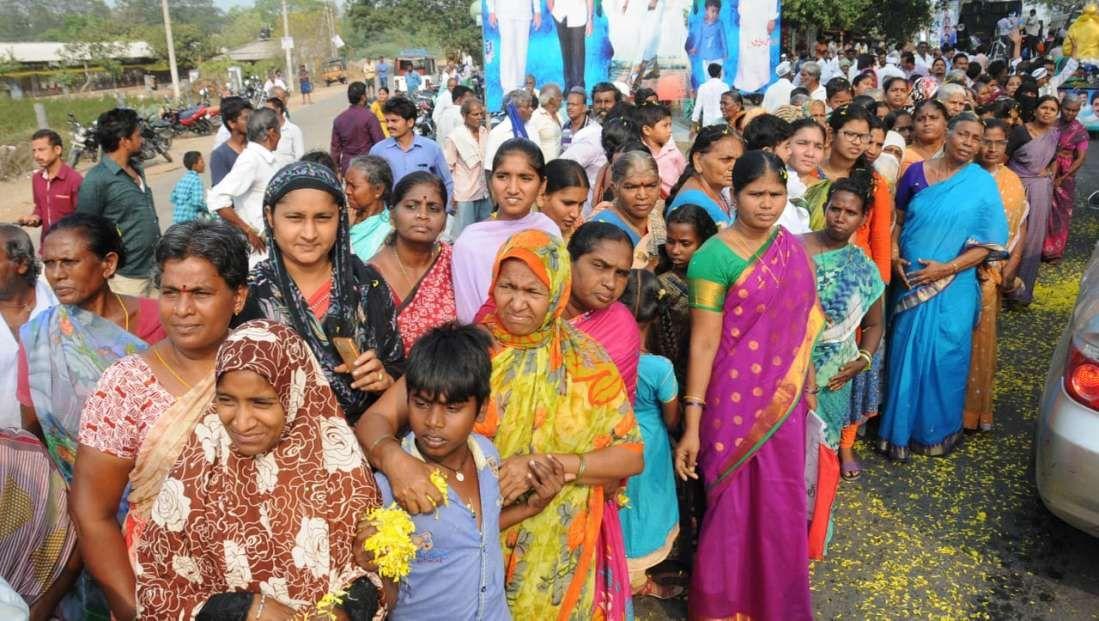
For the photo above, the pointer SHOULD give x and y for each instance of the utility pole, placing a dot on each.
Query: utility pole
(290, 81)
(172, 45)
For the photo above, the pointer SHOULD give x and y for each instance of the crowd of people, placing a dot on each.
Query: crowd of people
(588, 365)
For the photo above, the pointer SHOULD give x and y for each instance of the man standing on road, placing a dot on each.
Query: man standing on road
(116, 189)
(356, 130)
(412, 81)
(55, 187)
(292, 144)
(383, 73)
(235, 112)
(370, 78)
(405, 151)
(238, 199)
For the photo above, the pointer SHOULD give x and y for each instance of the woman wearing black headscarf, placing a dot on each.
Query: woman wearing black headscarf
(311, 282)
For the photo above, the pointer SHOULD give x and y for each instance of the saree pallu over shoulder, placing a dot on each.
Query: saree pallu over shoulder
(557, 391)
(68, 348)
(931, 334)
(945, 220)
(760, 369)
(158, 453)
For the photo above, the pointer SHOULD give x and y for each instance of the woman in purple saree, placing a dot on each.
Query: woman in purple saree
(1031, 149)
(754, 319)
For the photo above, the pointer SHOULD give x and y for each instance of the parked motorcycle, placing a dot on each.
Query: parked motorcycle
(425, 107)
(196, 119)
(156, 138)
(83, 141)
(253, 91)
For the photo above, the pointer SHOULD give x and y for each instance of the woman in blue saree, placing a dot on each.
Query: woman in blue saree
(949, 220)
(709, 174)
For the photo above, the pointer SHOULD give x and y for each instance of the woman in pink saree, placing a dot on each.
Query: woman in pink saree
(1072, 151)
(754, 318)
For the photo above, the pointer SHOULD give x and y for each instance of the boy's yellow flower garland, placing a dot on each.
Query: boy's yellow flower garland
(391, 544)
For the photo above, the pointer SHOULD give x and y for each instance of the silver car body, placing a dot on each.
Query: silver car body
(1067, 436)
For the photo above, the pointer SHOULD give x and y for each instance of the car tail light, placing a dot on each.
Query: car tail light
(1082, 378)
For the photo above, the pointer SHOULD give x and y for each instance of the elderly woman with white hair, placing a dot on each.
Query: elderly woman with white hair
(23, 294)
(954, 96)
(544, 127)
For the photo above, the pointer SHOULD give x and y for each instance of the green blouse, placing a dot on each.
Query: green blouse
(715, 268)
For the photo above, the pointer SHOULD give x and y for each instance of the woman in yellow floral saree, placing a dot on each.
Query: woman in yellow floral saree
(555, 395)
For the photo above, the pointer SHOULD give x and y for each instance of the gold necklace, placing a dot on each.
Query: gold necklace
(125, 311)
(170, 369)
(400, 264)
(457, 472)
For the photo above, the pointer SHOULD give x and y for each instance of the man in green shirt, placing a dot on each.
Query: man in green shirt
(116, 189)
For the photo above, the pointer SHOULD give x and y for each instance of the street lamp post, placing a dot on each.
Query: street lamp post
(286, 38)
(172, 46)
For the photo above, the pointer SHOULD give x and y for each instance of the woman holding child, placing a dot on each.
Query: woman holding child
(556, 397)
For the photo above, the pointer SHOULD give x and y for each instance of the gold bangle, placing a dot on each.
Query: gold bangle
(694, 398)
(583, 466)
(375, 443)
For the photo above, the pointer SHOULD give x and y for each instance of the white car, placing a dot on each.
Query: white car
(1067, 436)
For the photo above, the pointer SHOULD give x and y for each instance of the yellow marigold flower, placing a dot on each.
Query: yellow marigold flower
(327, 606)
(438, 479)
(391, 544)
(622, 499)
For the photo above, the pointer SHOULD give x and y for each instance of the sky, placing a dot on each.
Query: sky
(225, 4)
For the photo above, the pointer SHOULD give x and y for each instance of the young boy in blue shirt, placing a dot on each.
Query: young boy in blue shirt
(458, 572)
(188, 197)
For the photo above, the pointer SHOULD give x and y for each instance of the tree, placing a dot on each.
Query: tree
(446, 22)
(895, 20)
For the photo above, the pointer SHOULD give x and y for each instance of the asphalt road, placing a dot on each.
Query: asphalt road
(966, 536)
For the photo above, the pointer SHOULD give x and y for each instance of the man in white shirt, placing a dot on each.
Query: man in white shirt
(503, 132)
(923, 57)
(778, 94)
(707, 110)
(514, 19)
(292, 143)
(451, 118)
(444, 99)
(829, 64)
(809, 76)
(544, 127)
(238, 198)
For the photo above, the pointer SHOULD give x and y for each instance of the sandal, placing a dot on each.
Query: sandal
(660, 591)
(851, 470)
